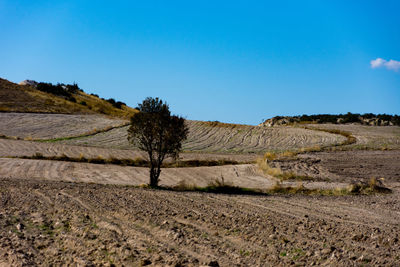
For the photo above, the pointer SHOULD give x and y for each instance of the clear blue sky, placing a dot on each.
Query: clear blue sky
(232, 61)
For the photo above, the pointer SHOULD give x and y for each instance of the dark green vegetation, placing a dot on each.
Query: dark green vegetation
(367, 119)
(154, 130)
(60, 89)
(68, 90)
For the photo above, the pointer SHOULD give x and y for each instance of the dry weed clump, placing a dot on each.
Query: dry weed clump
(267, 169)
(223, 125)
(218, 186)
(28, 138)
(278, 173)
(183, 186)
(374, 186)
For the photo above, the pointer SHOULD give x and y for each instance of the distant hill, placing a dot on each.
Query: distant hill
(364, 119)
(31, 96)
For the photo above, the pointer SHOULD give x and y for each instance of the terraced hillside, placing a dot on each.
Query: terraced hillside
(208, 137)
(225, 138)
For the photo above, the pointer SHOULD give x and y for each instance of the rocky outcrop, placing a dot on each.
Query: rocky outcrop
(366, 119)
(29, 82)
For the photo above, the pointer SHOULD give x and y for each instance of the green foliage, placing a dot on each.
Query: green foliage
(343, 118)
(116, 104)
(154, 130)
(59, 89)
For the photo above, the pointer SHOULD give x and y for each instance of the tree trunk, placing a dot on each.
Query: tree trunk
(154, 175)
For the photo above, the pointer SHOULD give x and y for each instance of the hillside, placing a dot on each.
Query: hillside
(26, 98)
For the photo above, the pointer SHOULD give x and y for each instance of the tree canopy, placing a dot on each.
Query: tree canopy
(154, 130)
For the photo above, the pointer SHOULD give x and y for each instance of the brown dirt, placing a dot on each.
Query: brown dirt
(58, 223)
(241, 175)
(346, 166)
(63, 213)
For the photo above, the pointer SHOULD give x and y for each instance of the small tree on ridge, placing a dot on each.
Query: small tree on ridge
(154, 130)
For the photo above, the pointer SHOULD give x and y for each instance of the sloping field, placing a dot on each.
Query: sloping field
(228, 138)
(345, 166)
(58, 223)
(240, 175)
(46, 126)
(19, 148)
(368, 137)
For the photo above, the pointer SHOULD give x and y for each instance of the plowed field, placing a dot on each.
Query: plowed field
(46, 126)
(232, 139)
(58, 223)
(65, 213)
(368, 137)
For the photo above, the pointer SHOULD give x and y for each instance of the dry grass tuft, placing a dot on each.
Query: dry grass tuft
(25, 98)
(278, 173)
(268, 170)
(353, 189)
(136, 162)
(218, 186)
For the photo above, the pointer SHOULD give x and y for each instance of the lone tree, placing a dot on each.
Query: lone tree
(154, 130)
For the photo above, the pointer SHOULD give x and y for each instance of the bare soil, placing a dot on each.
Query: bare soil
(368, 137)
(47, 126)
(58, 223)
(345, 166)
(246, 175)
(234, 139)
(64, 213)
(19, 148)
